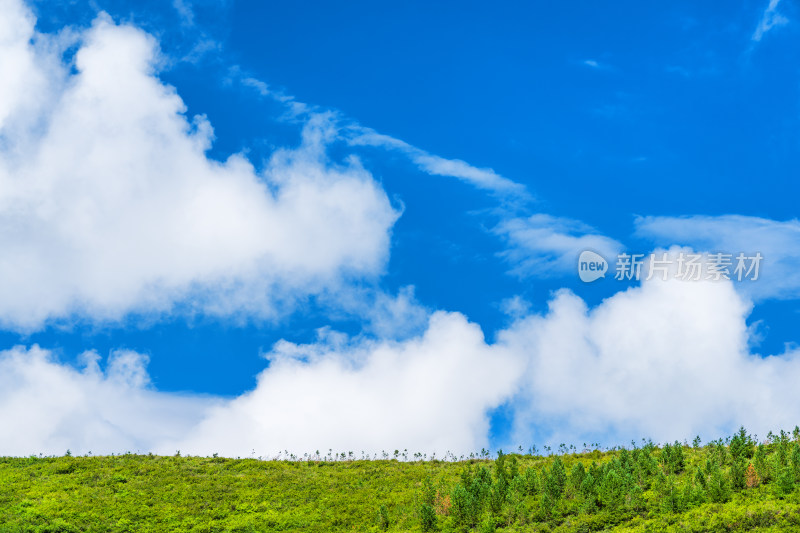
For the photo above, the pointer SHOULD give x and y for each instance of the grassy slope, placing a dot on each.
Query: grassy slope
(146, 493)
(149, 493)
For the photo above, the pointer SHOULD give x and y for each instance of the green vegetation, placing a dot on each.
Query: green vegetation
(731, 485)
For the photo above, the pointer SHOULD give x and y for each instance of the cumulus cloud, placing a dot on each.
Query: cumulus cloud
(109, 204)
(663, 360)
(430, 393)
(544, 245)
(50, 407)
(769, 19)
(777, 241)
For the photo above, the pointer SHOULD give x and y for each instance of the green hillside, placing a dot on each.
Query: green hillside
(731, 485)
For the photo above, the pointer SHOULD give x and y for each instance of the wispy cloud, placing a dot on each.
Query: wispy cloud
(547, 246)
(481, 178)
(777, 241)
(356, 135)
(295, 110)
(594, 64)
(185, 11)
(769, 20)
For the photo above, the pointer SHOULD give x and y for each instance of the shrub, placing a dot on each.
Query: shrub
(751, 477)
(383, 517)
(427, 517)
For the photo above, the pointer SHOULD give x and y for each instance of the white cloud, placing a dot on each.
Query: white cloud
(357, 135)
(664, 360)
(770, 19)
(49, 407)
(382, 314)
(481, 178)
(429, 393)
(295, 110)
(109, 204)
(543, 245)
(598, 66)
(778, 242)
(185, 11)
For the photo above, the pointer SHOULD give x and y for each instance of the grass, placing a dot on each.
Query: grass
(151, 493)
(693, 489)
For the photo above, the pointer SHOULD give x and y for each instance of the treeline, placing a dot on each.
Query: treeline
(595, 491)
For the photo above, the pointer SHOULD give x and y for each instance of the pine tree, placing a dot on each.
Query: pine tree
(718, 488)
(700, 478)
(738, 473)
(741, 446)
(795, 458)
(612, 489)
(576, 476)
(760, 463)
(556, 479)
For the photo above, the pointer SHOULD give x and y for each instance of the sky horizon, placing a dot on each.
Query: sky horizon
(245, 227)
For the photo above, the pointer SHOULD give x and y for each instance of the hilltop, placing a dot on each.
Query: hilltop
(731, 485)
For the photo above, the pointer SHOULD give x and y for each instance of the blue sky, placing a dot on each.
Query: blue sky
(233, 226)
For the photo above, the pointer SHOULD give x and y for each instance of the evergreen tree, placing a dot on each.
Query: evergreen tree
(670, 497)
(760, 463)
(612, 489)
(465, 510)
(529, 482)
(795, 459)
(700, 478)
(718, 488)
(741, 446)
(784, 480)
(576, 476)
(738, 473)
(556, 479)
